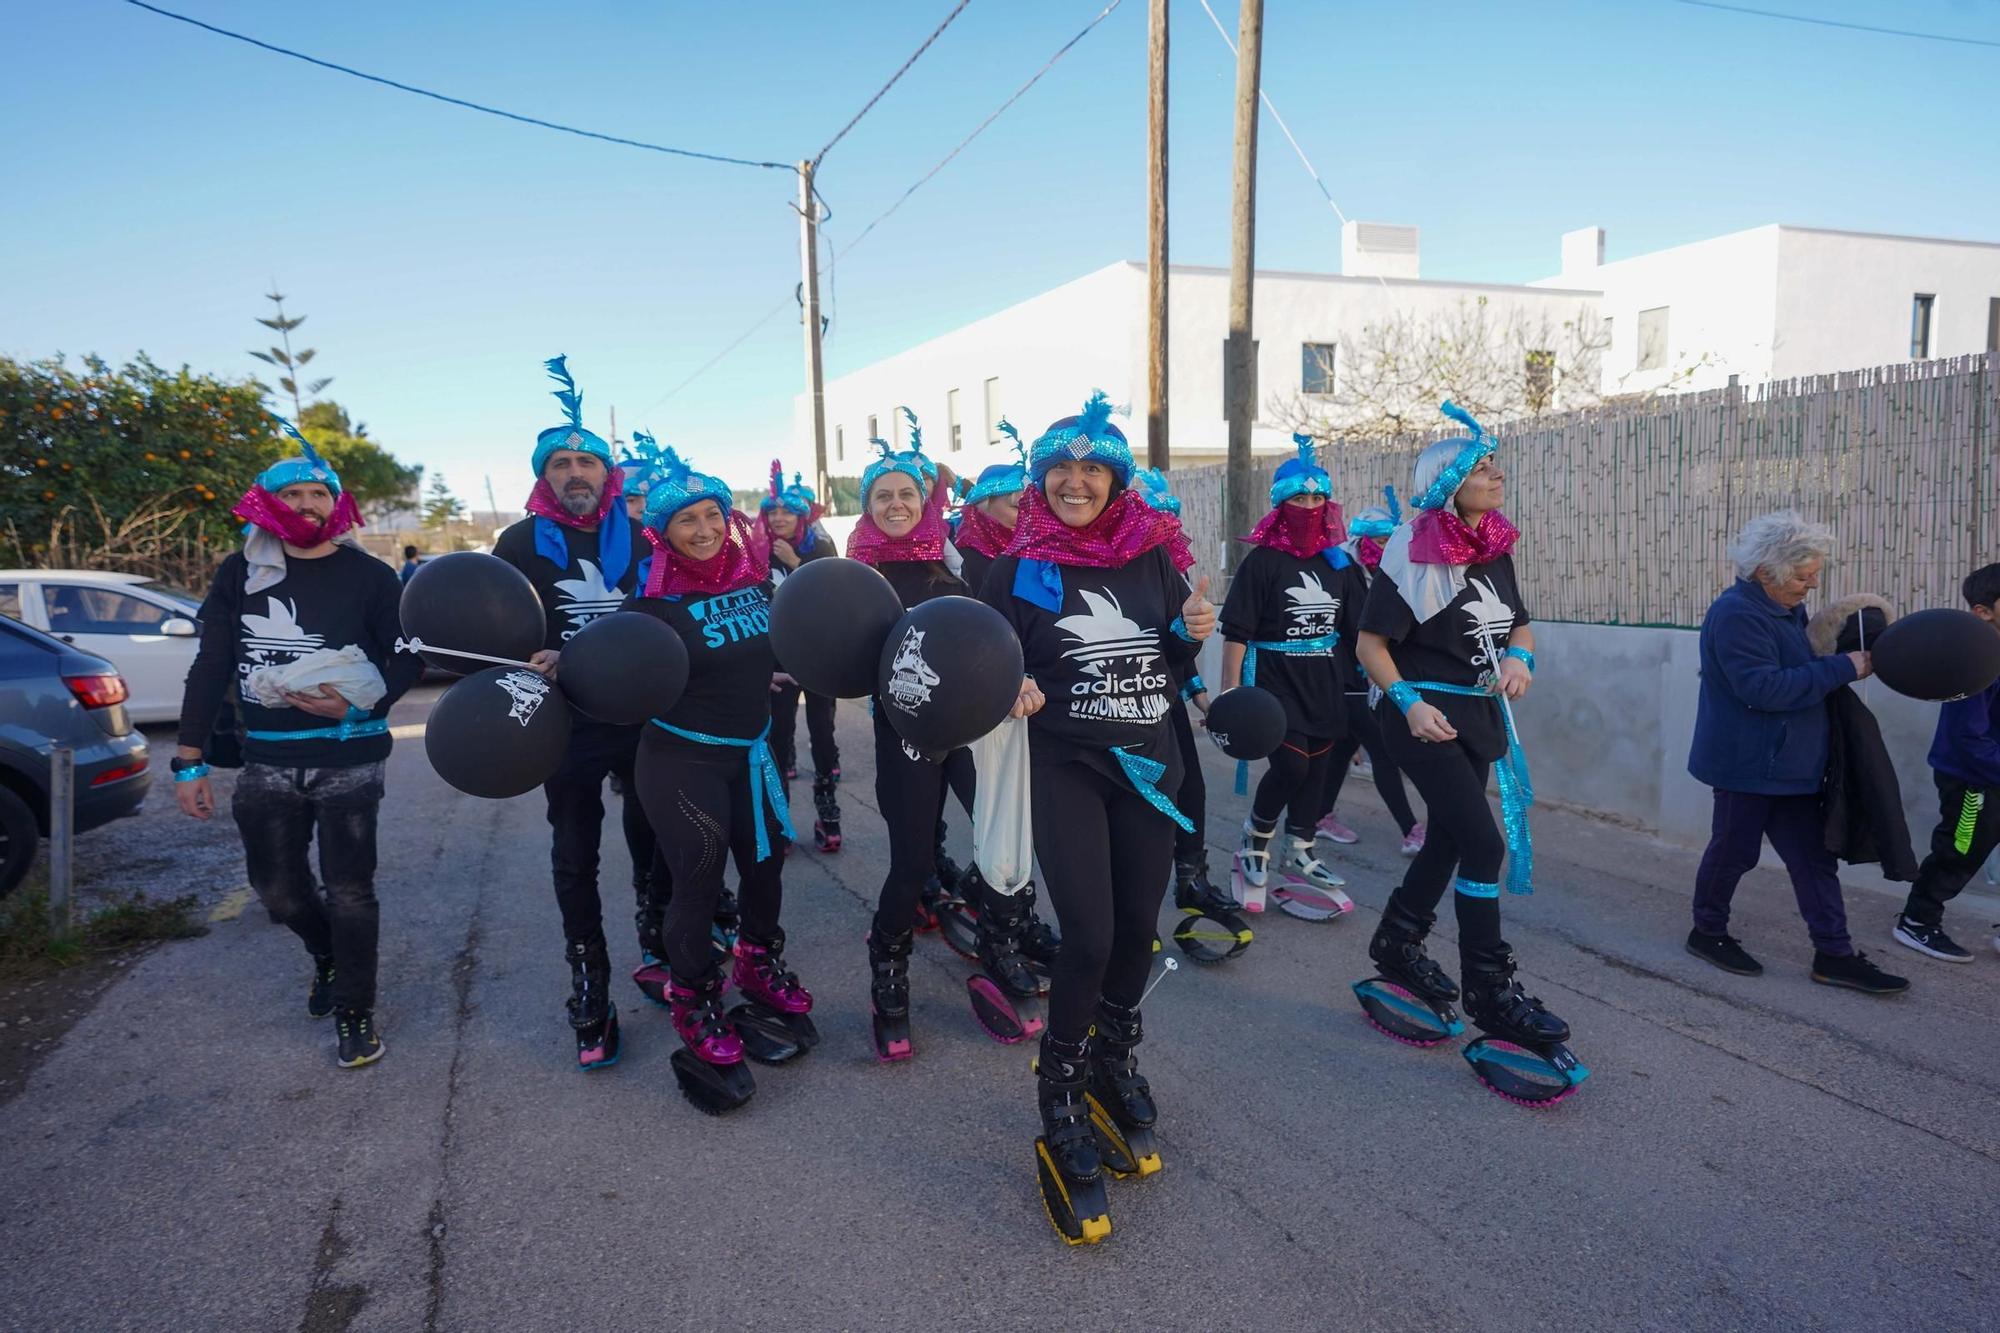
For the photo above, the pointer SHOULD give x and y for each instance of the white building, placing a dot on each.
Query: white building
(1772, 302)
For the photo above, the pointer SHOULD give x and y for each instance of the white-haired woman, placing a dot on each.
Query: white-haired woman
(1760, 740)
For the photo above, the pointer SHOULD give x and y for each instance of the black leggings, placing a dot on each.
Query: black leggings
(1292, 785)
(911, 794)
(819, 729)
(1105, 856)
(576, 821)
(1462, 835)
(1365, 733)
(1192, 799)
(698, 799)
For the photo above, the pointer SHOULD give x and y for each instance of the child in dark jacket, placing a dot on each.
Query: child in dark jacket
(1965, 759)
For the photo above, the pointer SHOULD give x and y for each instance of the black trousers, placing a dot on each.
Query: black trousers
(278, 811)
(1463, 839)
(819, 729)
(698, 799)
(911, 794)
(1192, 799)
(1105, 855)
(1968, 830)
(1364, 732)
(576, 820)
(1292, 785)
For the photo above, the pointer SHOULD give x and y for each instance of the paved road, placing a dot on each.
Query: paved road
(1749, 1153)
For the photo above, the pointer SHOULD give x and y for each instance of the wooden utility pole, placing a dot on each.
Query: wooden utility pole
(1156, 238)
(815, 367)
(1239, 356)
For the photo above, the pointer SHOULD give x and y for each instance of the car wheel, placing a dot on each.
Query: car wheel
(18, 838)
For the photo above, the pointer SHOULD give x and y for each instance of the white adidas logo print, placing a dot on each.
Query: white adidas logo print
(278, 631)
(585, 599)
(1106, 635)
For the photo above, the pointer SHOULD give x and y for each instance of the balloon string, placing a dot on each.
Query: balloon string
(419, 646)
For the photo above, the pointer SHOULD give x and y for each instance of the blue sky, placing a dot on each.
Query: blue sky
(159, 178)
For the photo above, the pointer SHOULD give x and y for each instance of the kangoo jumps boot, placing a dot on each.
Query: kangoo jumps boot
(591, 1013)
(1067, 1165)
(1121, 1101)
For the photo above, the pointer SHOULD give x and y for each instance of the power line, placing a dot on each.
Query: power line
(1836, 23)
(455, 101)
(956, 11)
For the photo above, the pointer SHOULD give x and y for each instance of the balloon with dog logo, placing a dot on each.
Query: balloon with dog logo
(498, 733)
(950, 671)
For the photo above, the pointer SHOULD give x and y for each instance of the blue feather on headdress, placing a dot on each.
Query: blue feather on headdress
(916, 435)
(881, 444)
(1464, 418)
(1395, 509)
(306, 450)
(570, 398)
(1006, 428)
(1308, 448)
(1096, 414)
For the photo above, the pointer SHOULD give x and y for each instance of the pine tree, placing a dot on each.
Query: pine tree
(441, 507)
(285, 358)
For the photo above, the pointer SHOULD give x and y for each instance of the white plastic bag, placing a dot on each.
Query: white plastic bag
(347, 669)
(1003, 843)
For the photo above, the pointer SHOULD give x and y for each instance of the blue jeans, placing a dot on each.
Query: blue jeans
(1797, 830)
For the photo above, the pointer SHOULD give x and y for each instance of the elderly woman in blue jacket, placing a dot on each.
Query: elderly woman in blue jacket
(1761, 741)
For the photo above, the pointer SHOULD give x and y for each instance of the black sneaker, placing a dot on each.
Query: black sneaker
(358, 1043)
(1724, 952)
(1931, 941)
(319, 1000)
(1855, 972)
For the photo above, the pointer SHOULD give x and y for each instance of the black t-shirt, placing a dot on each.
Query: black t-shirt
(576, 594)
(1105, 663)
(1277, 597)
(728, 638)
(344, 597)
(822, 547)
(918, 581)
(1453, 646)
(972, 568)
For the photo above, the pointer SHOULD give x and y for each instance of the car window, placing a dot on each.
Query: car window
(10, 600)
(79, 610)
(191, 600)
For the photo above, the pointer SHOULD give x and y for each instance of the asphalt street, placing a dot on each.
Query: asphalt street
(1748, 1153)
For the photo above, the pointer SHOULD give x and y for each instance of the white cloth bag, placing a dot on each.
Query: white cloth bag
(347, 669)
(1003, 843)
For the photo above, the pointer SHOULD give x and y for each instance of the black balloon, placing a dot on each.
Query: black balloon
(1937, 655)
(475, 603)
(828, 622)
(1248, 723)
(949, 672)
(498, 733)
(624, 668)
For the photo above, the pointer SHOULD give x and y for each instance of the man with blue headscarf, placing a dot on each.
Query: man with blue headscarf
(581, 551)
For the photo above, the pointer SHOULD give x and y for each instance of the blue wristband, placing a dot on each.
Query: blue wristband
(195, 773)
(1523, 656)
(1404, 695)
(1179, 627)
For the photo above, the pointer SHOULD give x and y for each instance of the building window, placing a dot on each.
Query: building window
(1607, 331)
(840, 444)
(874, 432)
(1316, 368)
(1541, 386)
(1920, 325)
(1653, 338)
(951, 420)
(1993, 323)
(993, 413)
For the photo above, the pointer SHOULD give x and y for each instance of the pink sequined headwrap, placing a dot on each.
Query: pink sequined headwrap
(734, 566)
(544, 501)
(980, 531)
(261, 509)
(872, 546)
(1441, 537)
(1297, 530)
(1126, 530)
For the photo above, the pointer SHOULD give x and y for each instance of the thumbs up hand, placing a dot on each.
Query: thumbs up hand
(1198, 613)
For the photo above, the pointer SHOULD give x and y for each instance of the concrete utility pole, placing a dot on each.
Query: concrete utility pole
(815, 367)
(1156, 238)
(1239, 355)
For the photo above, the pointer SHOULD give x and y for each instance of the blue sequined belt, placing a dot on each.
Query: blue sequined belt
(344, 731)
(1291, 648)
(1517, 792)
(765, 781)
(1143, 773)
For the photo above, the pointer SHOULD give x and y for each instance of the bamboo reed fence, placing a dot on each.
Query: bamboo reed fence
(1627, 510)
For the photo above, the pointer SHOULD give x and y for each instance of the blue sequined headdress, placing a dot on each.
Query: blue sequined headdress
(910, 462)
(1301, 475)
(1150, 485)
(1377, 521)
(1002, 478)
(641, 463)
(797, 497)
(571, 434)
(1087, 437)
(1438, 491)
(676, 486)
(308, 466)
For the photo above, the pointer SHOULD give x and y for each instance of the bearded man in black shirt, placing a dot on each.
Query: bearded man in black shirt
(299, 593)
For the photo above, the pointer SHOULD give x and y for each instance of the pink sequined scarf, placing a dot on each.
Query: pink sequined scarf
(1369, 552)
(980, 531)
(261, 509)
(1126, 530)
(734, 566)
(872, 546)
(1441, 537)
(544, 502)
(1299, 531)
